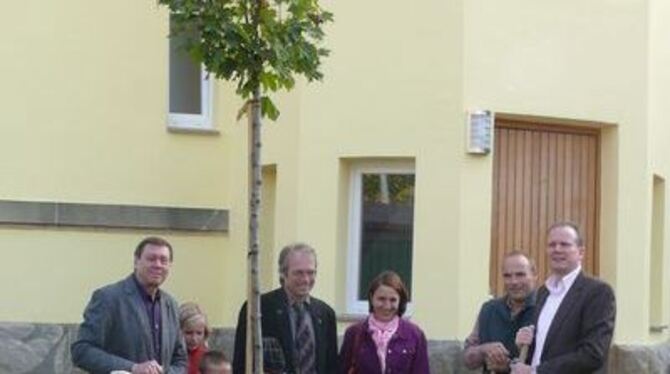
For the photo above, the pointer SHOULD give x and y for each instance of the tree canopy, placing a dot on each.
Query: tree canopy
(260, 44)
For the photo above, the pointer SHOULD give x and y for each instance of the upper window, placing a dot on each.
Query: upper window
(380, 229)
(190, 90)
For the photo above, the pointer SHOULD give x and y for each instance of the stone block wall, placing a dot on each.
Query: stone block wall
(36, 348)
(45, 349)
(648, 359)
(27, 348)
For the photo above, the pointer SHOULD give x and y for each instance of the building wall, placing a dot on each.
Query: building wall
(87, 91)
(84, 93)
(579, 62)
(390, 93)
(399, 90)
(659, 120)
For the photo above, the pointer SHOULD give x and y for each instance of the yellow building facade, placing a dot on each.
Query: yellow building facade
(87, 120)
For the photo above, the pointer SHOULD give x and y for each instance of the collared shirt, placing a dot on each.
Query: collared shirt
(558, 287)
(496, 323)
(153, 308)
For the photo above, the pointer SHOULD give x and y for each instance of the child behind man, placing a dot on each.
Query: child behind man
(214, 362)
(193, 323)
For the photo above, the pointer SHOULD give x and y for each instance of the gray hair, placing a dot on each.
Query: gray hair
(291, 248)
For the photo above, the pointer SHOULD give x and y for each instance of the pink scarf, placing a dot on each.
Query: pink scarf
(382, 332)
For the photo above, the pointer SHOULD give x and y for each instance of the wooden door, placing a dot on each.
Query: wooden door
(542, 174)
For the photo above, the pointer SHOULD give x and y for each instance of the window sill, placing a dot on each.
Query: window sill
(192, 130)
(351, 317)
(359, 311)
(657, 329)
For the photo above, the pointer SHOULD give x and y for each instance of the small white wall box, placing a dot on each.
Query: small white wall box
(479, 131)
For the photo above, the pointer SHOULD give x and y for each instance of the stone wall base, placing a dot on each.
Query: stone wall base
(27, 348)
(651, 359)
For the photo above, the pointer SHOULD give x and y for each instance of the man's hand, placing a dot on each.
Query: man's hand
(525, 336)
(496, 356)
(521, 368)
(148, 367)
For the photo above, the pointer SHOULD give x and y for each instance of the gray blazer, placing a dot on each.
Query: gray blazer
(116, 334)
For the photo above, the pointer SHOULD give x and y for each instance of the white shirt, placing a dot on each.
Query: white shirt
(558, 288)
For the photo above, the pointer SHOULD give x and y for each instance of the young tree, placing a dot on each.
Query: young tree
(262, 45)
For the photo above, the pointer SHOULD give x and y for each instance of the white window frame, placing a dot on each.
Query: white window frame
(353, 305)
(202, 121)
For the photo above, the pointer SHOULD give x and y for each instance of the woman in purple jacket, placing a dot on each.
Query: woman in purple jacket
(384, 342)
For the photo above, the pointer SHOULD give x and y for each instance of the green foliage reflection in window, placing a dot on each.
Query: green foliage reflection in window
(387, 221)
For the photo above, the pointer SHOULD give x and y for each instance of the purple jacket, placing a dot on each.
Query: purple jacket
(407, 351)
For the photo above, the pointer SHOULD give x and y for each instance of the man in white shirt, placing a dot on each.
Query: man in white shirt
(575, 313)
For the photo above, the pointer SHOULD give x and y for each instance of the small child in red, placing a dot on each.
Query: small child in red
(193, 323)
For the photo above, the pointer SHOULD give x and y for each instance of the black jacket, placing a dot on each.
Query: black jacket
(580, 334)
(276, 323)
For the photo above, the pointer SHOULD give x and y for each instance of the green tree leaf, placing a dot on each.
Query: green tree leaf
(259, 44)
(269, 109)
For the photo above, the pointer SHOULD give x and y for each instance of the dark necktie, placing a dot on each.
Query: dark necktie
(304, 344)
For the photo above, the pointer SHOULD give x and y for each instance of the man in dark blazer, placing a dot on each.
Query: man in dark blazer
(575, 316)
(281, 316)
(132, 325)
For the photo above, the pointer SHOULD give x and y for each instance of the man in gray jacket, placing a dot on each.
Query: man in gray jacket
(132, 325)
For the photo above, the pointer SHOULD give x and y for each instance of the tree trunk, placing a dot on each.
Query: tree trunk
(254, 348)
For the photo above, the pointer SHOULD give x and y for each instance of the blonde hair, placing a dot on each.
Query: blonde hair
(190, 313)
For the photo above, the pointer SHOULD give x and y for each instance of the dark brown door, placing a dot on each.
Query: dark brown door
(542, 173)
